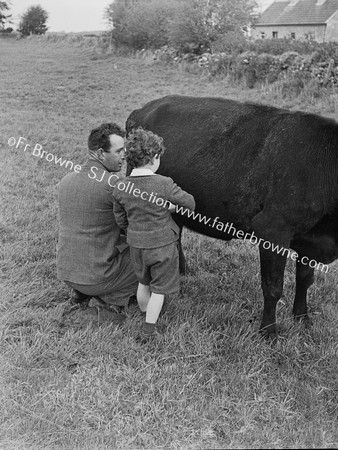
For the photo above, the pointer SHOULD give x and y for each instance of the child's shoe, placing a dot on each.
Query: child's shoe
(147, 333)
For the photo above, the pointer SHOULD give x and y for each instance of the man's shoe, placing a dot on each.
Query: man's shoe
(132, 300)
(78, 298)
(117, 309)
(97, 302)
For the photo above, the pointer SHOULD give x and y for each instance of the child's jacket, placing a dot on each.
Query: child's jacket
(141, 207)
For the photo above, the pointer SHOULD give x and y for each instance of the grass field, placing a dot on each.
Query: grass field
(72, 380)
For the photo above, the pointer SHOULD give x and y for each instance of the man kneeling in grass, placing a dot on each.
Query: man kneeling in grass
(92, 257)
(142, 206)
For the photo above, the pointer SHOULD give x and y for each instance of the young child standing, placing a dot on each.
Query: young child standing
(142, 206)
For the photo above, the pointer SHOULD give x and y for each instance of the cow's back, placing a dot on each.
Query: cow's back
(239, 158)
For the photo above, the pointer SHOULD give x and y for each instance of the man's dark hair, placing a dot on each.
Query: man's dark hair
(142, 146)
(99, 137)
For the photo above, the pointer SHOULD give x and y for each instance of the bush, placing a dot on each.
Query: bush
(231, 42)
(187, 25)
(280, 46)
(6, 30)
(289, 69)
(182, 24)
(144, 24)
(324, 50)
(213, 24)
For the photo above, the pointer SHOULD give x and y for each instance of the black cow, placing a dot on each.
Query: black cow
(265, 170)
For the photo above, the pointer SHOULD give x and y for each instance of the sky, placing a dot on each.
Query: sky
(72, 15)
(66, 15)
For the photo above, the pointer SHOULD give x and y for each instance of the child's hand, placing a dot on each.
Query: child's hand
(172, 207)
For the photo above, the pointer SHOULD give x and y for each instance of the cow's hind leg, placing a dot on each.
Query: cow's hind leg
(304, 279)
(274, 240)
(272, 274)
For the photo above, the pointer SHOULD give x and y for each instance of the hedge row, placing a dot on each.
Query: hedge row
(261, 68)
(324, 50)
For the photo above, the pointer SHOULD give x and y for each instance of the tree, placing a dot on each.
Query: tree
(3, 17)
(33, 21)
(140, 24)
(210, 21)
(189, 24)
(116, 16)
(227, 15)
(181, 23)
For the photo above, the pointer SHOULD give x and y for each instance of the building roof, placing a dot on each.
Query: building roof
(301, 12)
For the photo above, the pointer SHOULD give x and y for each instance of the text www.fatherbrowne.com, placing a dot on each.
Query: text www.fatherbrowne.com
(251, 237)
(227, 228)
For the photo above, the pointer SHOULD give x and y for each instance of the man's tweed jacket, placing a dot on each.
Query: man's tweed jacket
(89, 238)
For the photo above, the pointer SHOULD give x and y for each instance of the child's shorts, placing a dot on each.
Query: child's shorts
(157, 267)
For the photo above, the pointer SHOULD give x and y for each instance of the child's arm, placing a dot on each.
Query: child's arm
(120, 215)
(180, 197)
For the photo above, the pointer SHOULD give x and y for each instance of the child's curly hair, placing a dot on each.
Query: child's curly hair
(142, 146)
